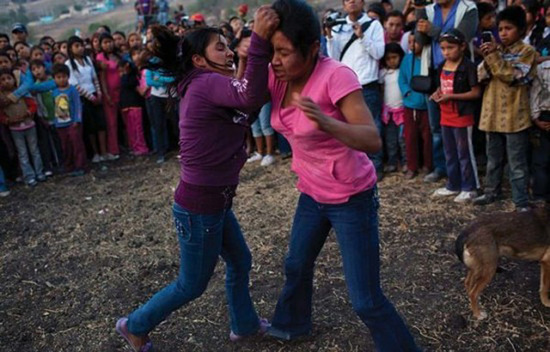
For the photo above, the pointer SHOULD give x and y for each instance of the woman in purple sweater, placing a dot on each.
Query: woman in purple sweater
(214, 117)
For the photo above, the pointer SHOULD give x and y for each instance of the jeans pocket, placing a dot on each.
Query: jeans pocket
(183, 226)
(212, 224)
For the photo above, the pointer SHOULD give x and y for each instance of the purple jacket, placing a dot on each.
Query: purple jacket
(214, 119)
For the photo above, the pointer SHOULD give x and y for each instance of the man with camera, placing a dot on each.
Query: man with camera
(358, 42)
(433, 20)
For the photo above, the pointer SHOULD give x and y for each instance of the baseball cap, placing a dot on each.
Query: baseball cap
(197, 17)
(19, 27)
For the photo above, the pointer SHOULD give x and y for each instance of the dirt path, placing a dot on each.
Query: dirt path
(77, 253)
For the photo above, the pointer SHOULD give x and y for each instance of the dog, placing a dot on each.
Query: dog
(518, 235)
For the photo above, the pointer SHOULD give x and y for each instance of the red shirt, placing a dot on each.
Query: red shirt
(449, 109)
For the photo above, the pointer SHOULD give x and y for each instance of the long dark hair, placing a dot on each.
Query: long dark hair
(72, 40)
(175, 54)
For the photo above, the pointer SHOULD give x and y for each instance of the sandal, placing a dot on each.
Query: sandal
(122, 330)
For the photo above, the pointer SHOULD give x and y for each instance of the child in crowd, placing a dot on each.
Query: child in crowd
(18, 117)
(487, 23)
(68, 117)
(37, 53)
(535, 24)
(59, 58)
(131, 103)
(108, 61)
(540, 113)
(134, 41)
(544, 46)
(261, 129)
(418, 138)
(457, 87)
(393, 110)
(506, 115)
(84, 78)
(45, 120)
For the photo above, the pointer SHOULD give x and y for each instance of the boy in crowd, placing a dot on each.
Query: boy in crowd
(68, 118)
(505, 114)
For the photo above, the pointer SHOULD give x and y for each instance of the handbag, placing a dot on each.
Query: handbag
(423, 84)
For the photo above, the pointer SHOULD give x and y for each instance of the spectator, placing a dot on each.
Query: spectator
(535, 24)
(4, 41)
(434, 19)
(487, 23)
(19, 33)
(393, 27)
(362, 55)
(505, 114)
(163, 8)
(376, 11)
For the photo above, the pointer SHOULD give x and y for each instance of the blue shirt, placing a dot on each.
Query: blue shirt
(411, 99)
(445, 26)
(68, 108)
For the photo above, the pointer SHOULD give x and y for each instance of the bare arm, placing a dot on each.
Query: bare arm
(358, 132)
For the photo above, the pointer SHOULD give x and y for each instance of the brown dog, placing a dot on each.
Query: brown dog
(514, 235)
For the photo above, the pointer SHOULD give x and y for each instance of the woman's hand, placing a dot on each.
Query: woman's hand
(266, 22)
(310, 109)
(545, 126)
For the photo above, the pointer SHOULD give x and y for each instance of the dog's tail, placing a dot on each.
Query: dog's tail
(459, 244)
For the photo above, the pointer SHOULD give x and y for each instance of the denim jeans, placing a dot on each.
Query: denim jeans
(356, 226)
(395, 143)
(434, 115)
(22, 139)
(460, 159)
(372, 97)
(159, 122)
(3, 187)
(541, 164)
(262, 125)
(202, 239)
(515, 146)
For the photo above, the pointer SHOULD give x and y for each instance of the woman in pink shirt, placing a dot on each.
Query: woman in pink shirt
(317, 104)
(108, 60)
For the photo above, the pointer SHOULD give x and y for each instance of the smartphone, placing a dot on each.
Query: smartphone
(486, 37)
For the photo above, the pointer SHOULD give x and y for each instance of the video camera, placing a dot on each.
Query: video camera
(333, 19)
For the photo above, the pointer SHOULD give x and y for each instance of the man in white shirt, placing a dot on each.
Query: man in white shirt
(362, 56)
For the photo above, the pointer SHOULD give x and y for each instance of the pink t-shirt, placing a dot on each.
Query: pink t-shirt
(328, 171)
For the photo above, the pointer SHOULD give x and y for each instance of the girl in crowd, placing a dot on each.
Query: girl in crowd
(108, 59)
(393, 110)
(84, 78)
(318, 106)
(213, 123)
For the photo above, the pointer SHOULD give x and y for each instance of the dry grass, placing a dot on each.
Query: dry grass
(77, 253)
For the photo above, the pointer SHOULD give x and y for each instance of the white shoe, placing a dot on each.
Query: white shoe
(254, 157)
(444, 192)
(267, 160)
(111, 157)
(4, 194)
(465, 197)
(96, 159)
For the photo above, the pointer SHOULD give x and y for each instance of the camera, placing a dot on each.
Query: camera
(486, 37)
(333, 19)
(246, 32)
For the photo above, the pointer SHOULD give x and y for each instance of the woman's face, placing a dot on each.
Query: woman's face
(63, 48)
(220, 57)
(59, 58)
(5, 63)
(95, 44)
(107, 45)
(288, 63)
(134, 41)
(77, 49)
(23, 51)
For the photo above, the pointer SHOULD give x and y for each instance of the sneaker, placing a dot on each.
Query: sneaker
(484, 199)
(264, 326)
(4, 193)
(409, 175)
(285, 335)
(433, 177)
(465, 197)
(254, 157)
(41, 178)
(48, 173)
(267, 160)
(444, 192)
(96, 159)
(32, 183)
(111, 157)
(160, 160)
(522, 209)
(390, 168)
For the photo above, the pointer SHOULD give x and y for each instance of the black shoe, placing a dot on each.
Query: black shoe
(485, 199)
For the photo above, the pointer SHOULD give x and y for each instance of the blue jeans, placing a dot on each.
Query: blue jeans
(262, 125)
(356, 226)
(22, 140)
(372, 97)
(395, 143)
(159, 123)
(3, 187)
(541, 164)
(202, 239)
(460, 159)
(515, 147)
(434, 115)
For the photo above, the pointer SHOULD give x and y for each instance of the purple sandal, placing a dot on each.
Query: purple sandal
(122, 330)
(264, 326)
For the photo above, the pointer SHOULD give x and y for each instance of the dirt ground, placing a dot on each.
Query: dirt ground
(77, 253)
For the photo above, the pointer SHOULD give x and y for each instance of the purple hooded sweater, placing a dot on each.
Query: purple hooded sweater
(214, 118)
